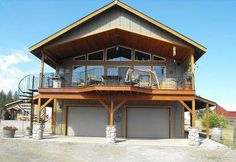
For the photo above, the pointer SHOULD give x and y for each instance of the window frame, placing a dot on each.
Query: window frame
(131, 49)
(164, 59)
(165, 69)
(144, 53)
(74, 58)
(96, 52)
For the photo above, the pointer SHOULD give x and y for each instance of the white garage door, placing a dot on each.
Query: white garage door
(88, 121)
(147, 123)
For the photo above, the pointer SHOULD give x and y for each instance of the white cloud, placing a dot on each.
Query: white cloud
(10, 74)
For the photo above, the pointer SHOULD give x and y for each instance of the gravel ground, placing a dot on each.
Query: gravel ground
(29, 150)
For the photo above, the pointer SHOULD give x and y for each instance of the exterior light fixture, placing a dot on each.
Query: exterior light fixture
(174, 51)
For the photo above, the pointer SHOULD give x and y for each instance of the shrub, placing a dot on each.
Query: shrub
(215, 120)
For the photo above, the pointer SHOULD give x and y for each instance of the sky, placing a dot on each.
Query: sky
(210, 23)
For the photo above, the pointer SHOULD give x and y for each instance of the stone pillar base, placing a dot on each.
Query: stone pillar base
(37, 131)
(193, 137)
(111, 134)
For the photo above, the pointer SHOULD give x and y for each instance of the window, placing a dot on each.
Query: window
(142, 56)
(142, 67)
(158, 58)
(80, 58)
(118, 53)
(160, 72)
(96, 56)
(112, 71)
(94, 73)
(78, 75)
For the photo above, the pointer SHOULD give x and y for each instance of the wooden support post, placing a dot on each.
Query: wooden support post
(41, 70)
(32, 116)
(39, 109)
(54, 110)
(193, 113)
(111, 121)
(192, 71)
(171, 123)
(207, 120)
(125, 123)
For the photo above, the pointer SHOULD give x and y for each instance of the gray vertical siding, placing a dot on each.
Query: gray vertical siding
(117, 18)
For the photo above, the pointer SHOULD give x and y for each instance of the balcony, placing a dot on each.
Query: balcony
(133, 78)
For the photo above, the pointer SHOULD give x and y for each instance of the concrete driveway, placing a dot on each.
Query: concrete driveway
(82, 149)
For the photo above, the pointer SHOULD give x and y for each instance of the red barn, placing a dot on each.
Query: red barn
(230, 115)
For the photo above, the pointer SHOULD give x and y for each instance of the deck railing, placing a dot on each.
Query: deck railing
(140, 78)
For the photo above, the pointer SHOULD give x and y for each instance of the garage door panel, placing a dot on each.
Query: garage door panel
(86, 121)
(148, 123)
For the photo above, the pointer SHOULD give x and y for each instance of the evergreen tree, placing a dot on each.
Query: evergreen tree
(15, 96)
(9, 97)
(2, 98)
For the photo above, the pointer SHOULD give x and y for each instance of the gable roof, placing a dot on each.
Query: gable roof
(126, 7)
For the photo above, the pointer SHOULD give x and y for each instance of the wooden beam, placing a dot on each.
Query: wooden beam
(183, 122)
(41, 70)
(38, 114)
(54, 109)
(125, 123)
(120, 104)
(104, 104)
(135, 97)
(193, 113)
(112, 88)
(185, 106)
(171, 123)
(193, 71)
(111, 114)
(46, 103)
(207, 121)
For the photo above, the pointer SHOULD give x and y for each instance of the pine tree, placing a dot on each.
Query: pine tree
(9, 97)
(2, 98)
(15, 96)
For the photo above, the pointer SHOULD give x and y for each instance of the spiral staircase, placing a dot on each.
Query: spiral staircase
(27, 89)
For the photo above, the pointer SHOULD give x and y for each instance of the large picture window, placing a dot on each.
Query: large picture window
(94, 73)
(118, 53)
(142, 56)
(160, 72)
(96, 56)
(78, 75)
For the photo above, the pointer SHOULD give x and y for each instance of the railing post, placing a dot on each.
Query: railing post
(193, 113)
(41, 70)
(192, 71)
(207, 120)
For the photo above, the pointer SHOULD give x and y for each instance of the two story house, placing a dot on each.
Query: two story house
(119, 67)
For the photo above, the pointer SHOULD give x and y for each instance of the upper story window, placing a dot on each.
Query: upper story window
(78, 75)
(94, 74)
(80, 58)
(158, 58)
(119, 53)
(160, 72)
(142, 56)
(96, 56)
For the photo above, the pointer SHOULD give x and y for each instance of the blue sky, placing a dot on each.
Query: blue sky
(211, 23)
